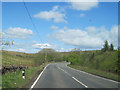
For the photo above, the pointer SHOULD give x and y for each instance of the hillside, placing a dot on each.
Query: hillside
(96, 62)
(13, 61)
(106, 61)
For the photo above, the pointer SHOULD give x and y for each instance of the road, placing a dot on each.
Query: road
(58, 75)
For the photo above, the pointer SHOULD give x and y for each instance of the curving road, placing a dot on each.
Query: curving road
(58, 75)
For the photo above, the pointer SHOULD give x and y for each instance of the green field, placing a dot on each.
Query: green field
(17, 59)
(34, 62)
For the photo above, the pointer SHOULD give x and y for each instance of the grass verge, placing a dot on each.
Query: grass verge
(96, 72)
(15, 80)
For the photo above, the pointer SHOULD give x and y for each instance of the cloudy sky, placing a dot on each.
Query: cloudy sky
(59, 25)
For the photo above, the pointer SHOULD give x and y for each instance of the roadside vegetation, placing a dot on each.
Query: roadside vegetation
(15, 80)
(102, 62)
(34, 63)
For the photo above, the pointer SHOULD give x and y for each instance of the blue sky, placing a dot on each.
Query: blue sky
(60, 25)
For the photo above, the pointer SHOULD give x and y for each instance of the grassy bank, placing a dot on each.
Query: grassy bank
(27, 59)
(96, 72)
(104, 64)
(34, 62)
(18, 59)
(15, 80)
(103, 61)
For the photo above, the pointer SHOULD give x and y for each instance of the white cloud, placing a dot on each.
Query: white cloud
(82, 15)
(47, 45)
(54, 27)
(91, 29)
(84, 5)
(114, 35)
(55, 8)
(41, 46)
(55, 14)
(17, 32)
(21, 50)
(91, 37)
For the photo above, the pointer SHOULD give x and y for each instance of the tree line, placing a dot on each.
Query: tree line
(106, 59)
(107, 47)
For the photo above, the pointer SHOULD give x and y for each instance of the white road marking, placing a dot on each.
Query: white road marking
(80, 82)
(38, 78)
(64, 71)
(92, 75)
(73, 78)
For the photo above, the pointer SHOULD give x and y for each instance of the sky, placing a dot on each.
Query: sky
(59, 25)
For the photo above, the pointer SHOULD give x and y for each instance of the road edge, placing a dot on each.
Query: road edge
(92, 74)
(38, 77)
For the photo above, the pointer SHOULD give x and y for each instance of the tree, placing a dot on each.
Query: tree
(6, 43)
(106, 46)
(47, 50)
(111, 47)
(74, 58)
(50, 54)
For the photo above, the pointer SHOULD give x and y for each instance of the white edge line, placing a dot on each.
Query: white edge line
(92, 75)
(38, 78)
(80, 82)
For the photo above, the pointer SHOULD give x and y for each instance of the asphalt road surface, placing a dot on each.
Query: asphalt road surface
(58, 75)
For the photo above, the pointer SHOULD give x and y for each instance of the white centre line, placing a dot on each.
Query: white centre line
(74, 78)
(79, 82)
(64, 71)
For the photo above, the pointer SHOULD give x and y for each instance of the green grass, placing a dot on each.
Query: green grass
(104, 61)
(26, 59)
(99, 64)
(15, 80)
(11, 58)
(96, 72)
(0, 82)
(33, 61)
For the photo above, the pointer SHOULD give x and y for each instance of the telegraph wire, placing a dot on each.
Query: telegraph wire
(34, 27)
(32, 21)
